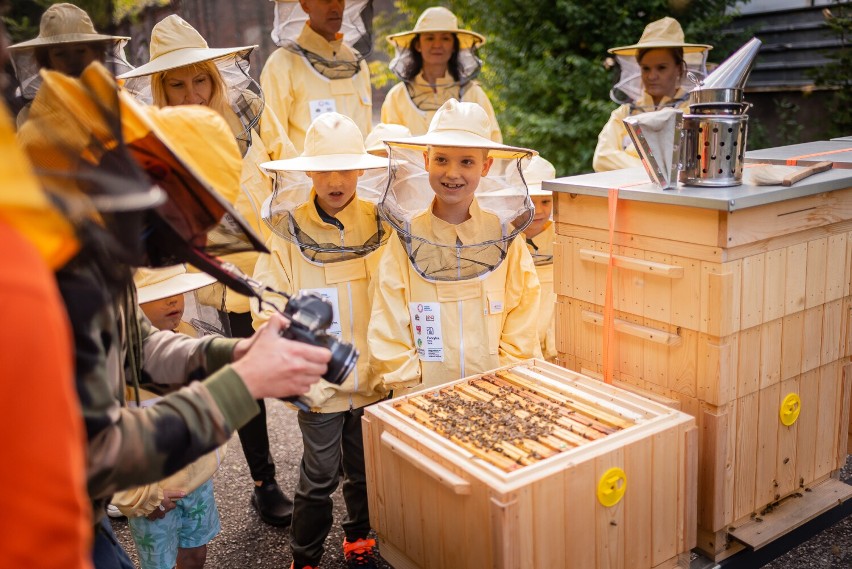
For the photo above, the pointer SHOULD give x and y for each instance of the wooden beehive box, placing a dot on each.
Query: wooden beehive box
(505, 470)
(735, 303)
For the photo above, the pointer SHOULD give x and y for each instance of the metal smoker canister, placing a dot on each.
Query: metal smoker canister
(713, 149)
(715, 130)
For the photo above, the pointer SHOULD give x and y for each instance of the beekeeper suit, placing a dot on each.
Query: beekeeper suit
(63, 25)
(453, 299)
(540, 246)
(176, 46)
(309, 74)
(414, 100)
(334, 255)
(615, 150)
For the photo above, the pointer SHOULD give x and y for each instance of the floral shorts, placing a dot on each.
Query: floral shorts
(193, 523)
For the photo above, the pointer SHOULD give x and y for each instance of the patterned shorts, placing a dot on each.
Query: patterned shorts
(193, 523)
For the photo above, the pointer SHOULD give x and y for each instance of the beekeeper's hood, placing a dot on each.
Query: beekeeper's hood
(157, 284)
(409, 194)
(660, 34)
(97, 150)
(24, 205)
(356, 32)
(538, 170)
(333, 143)
(176, 44)
(437, 20)
(63, 24)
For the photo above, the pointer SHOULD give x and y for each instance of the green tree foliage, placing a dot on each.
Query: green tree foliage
(544, 61)
(837, 75)
(23, 19)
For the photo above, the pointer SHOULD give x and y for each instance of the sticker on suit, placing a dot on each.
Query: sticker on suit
(322, 106)
(426, 325)
(330, 294)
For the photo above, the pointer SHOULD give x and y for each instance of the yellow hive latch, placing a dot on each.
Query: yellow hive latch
(790, 409)
(611, 487)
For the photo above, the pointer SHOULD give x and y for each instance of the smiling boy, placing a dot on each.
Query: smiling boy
(457, 293)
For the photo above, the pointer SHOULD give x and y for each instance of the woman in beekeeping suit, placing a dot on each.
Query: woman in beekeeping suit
(67, 42)
(653, 76)
(436, 62)
(183, 70)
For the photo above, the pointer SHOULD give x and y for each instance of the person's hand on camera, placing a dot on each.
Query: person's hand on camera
(273, 366)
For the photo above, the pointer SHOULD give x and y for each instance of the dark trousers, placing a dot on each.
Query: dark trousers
(331, 440)
(254, 436)
(106, 551)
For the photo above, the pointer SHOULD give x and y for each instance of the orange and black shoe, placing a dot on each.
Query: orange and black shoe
(359, 553)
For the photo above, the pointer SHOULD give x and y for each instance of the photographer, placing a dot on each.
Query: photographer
(97, 180)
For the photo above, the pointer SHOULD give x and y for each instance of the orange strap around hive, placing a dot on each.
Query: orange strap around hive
(609, 308)
(794, 161)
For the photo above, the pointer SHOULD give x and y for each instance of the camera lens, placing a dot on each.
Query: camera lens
(343, 359)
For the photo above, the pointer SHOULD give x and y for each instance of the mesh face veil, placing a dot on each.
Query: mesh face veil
(292, 192)
(442, 252)
(629, 87)
(467, 69)
(357, 30)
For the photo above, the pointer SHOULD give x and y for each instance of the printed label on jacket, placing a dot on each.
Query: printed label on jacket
(330, 294)
(426, 325)
(322, 106)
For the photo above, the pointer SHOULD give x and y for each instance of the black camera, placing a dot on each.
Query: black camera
(310, 316)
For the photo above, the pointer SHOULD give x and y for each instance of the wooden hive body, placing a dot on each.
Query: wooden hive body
(436, 505)
(726, 313)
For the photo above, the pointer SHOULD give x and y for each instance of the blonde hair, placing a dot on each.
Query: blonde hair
(218, 99)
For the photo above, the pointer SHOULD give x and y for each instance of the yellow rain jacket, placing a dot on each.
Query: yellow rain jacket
(24, 206)
(350, 281)
(268, 142)
(615, 150)
(485, 322)
(298, 93)
(542, 244)
(398, 107)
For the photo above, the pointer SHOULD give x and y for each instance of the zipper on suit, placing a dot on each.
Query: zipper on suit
(352, 336)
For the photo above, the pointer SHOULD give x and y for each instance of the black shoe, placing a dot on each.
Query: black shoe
(274, 507)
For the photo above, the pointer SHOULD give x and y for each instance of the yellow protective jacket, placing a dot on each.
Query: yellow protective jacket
(268, 142)
(615, 150)
(542, 244)
(485, 322)
(24, 206)
(398, 107)
(292, 87)
(287, 270)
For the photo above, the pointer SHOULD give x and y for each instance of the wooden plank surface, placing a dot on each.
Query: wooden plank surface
(580, 487)
(664, 496)
(792, 513)
(745, 466)
(639, 507)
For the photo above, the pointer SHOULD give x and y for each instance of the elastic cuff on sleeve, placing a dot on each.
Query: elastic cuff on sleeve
(232, 396)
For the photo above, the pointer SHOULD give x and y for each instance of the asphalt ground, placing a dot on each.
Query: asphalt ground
(247, 542)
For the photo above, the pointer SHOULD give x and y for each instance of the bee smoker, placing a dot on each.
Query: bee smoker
(705, 147)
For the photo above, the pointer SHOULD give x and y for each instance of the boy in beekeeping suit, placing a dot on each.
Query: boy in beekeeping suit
(457, 292)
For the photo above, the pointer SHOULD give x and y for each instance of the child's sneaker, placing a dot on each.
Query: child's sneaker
(293, 566)
(360, 553)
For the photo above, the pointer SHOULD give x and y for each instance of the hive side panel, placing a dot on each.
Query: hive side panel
(639, 503)
(580, 483)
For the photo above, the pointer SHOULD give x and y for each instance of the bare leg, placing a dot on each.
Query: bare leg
(191, 557)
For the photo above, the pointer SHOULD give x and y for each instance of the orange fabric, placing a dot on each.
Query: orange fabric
(609, 309)
(46, 516)
(794, 161)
